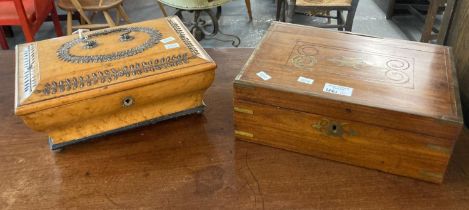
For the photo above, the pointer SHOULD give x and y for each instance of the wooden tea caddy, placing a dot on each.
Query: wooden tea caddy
(384, 104)
(83, 86)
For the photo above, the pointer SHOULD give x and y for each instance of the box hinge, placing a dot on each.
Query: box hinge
(244, 134)
(245, 111)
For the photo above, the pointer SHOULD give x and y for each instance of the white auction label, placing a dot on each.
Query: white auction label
(337, 89)
(166, 40)
(171, 46)
(263, 75)
(305, 80)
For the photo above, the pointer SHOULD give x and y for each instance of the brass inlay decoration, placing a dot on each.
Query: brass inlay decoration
(245, 134)
(304, 58)
(360, 64)
(398, 65)
(334, 128)
(356, 63)
(245, 111)
(305, 62)
(396, 71)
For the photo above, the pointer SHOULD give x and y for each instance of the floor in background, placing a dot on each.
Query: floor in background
(369, 20)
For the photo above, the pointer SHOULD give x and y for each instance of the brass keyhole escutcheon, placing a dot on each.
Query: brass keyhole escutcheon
(127, 102)
(335, 129)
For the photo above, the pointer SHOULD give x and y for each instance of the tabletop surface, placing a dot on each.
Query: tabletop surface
(194, 162)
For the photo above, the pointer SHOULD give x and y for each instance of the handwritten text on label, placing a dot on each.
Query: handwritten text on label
(337, 89)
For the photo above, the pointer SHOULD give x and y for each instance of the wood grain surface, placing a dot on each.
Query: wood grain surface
(71, 101)
(195, 163)
(405, 76)
(403, 116)
(389, 150)
(54, 69)
(458, 38)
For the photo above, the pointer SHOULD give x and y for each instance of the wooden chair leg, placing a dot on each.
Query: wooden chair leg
(28, 33)
(289, 10)
(248, 6)
(430, 20)
(123, 14)
(108, 18)
(279, 8)
(161, 5)
(448, 13)
(285, 8)
(3, 40)
(351, 15)
(82, 20)
(80, 10)
(69, 22)
(118, 17)
(340, 21)
(56, 21)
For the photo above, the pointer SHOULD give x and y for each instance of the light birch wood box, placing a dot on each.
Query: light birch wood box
(384, 104)
(76, 88)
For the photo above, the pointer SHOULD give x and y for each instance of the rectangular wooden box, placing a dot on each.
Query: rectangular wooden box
(384, 104)
(74, 88)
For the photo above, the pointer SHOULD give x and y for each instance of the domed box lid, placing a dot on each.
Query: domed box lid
(399, 84)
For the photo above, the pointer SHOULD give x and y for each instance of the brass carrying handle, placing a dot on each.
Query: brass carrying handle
(90, 44)
(124, 37)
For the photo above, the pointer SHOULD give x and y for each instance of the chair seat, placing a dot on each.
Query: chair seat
(89, 5)
(323, 3)
(9, 16)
